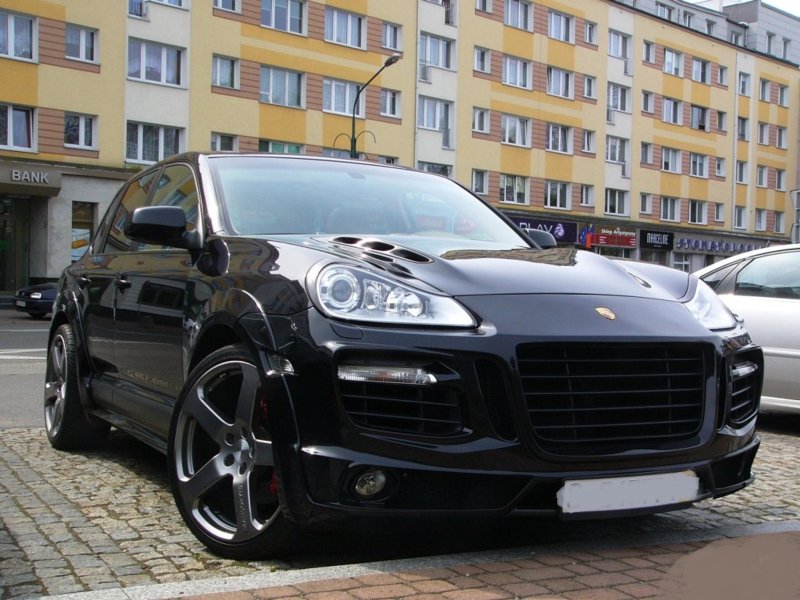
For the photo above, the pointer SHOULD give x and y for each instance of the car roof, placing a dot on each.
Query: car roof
(746, 255)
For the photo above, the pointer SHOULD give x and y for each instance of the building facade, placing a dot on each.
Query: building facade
(641, 129)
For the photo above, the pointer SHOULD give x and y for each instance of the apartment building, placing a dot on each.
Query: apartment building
(622, 127)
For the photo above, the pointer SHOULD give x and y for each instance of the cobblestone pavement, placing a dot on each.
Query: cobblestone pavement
(105, 520)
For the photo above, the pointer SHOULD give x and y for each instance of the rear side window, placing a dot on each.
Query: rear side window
(774, 276)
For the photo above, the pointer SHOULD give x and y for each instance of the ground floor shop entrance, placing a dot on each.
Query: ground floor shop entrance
(14, 241)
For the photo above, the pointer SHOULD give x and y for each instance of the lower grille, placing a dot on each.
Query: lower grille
(403, 408)
(745, 388)
(600, 398)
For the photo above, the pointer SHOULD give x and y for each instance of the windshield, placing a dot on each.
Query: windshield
(275, 196)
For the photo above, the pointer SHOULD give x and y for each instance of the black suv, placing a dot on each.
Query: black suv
(310, 338)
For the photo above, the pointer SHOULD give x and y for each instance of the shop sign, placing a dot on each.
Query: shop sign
(564, 232)
(656, 240)
(606, 235)
(712, 246)
(26, 178)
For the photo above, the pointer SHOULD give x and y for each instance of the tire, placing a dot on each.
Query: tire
(67, 425)
(221, 465)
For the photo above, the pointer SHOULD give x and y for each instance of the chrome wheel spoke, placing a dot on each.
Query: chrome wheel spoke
(207, 418)
(197, 484)
(247, 525)
(248, 395)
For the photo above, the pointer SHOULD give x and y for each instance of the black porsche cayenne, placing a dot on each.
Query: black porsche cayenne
(308, 338)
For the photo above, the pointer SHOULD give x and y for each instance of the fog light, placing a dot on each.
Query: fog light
(386, 374)
(370, 483)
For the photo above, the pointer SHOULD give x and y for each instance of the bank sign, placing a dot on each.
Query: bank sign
(26, 178)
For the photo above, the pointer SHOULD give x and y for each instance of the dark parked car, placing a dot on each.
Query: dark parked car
(308, 339)
(36, 300)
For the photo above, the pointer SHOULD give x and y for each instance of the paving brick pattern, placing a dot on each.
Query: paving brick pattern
(81, 522)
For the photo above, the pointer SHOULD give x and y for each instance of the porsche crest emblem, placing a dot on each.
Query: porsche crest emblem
(606, 313)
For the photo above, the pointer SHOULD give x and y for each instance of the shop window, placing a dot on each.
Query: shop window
(82, 228)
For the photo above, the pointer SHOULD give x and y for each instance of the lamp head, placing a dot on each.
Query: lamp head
(391, 60)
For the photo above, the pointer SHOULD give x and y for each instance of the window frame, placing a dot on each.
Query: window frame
(84, 34)
(164, 66)
(265, 96)
(83, 121)
(295, 15)
(354, 26)
(163, 130)
(28, 51)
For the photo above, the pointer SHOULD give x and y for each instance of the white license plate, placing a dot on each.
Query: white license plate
(628, 493)
(21, 303)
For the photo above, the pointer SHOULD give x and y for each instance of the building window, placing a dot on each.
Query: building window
(344, 28)
(223, 142)
(698, 212)
(513, 189)
(648, 52)
(673, 111)
(722, 120)
(436, 168)
(761, 219)
(700, 70)
(224, 72)
(673, 62)
(645, 204)
(765, 90)
(763, 133)
(151, 143)
(516, 72)
(739, 217)
(284, 15)
(391, 36)
(483, 5)
(589, 86)
(670, 209)
(664, 11)
(782, 138)
(435, 51)
(560, 26)
(587, 195)
(618, 44)
(762, 175)
(671, 160)
(232, 5)
(557, 194)
(720, 167)
(783, 95)
(687, 18)
(338, 97)
(434, 114)
(80, 43)
(285, 88)
(273, 147)
(744, 84)
(770, 43)
(619, 97)
(519, 14)
(616, 202)
(719, 212)
(647, 102)
(699, 118)
(149, 61)
(698, 165)
(480, 182)
(590, 32)
(779, 226)
(390, 103)
(780, 180)
(710, 26)
(741, 172)
(588, 141)
(647, 153)
(743, 128)
(16, 36)
(559, 138)
(616, 149)
(559, 83)
(515, 131)
(681, 261)
(79, 131)
(483, 60)
(722, 75)
(480, 120)
(16, 127)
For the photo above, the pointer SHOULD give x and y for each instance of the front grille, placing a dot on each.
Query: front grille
(601, 398)
(415, 409)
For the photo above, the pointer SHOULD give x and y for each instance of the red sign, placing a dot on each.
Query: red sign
(614, 236)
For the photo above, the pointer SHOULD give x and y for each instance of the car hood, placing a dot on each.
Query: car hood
(442, 266)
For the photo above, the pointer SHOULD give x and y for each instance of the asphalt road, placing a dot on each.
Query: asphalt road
(23, 343)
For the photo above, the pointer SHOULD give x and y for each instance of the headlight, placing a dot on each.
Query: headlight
(707, 308)
(36, 295)
(355, 294)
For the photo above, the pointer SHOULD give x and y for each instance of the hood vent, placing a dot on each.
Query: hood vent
(381, 250)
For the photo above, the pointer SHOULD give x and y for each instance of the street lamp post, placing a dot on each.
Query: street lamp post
(353, 138)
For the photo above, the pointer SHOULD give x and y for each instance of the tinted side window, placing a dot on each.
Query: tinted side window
(714, 278)
(176, 187)
(134, 195)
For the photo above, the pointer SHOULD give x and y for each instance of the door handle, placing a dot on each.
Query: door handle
(122, 283)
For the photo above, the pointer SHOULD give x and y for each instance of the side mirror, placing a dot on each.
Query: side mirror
(161, 226)
(543, 239)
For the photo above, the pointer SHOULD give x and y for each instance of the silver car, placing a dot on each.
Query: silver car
(763, 288)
